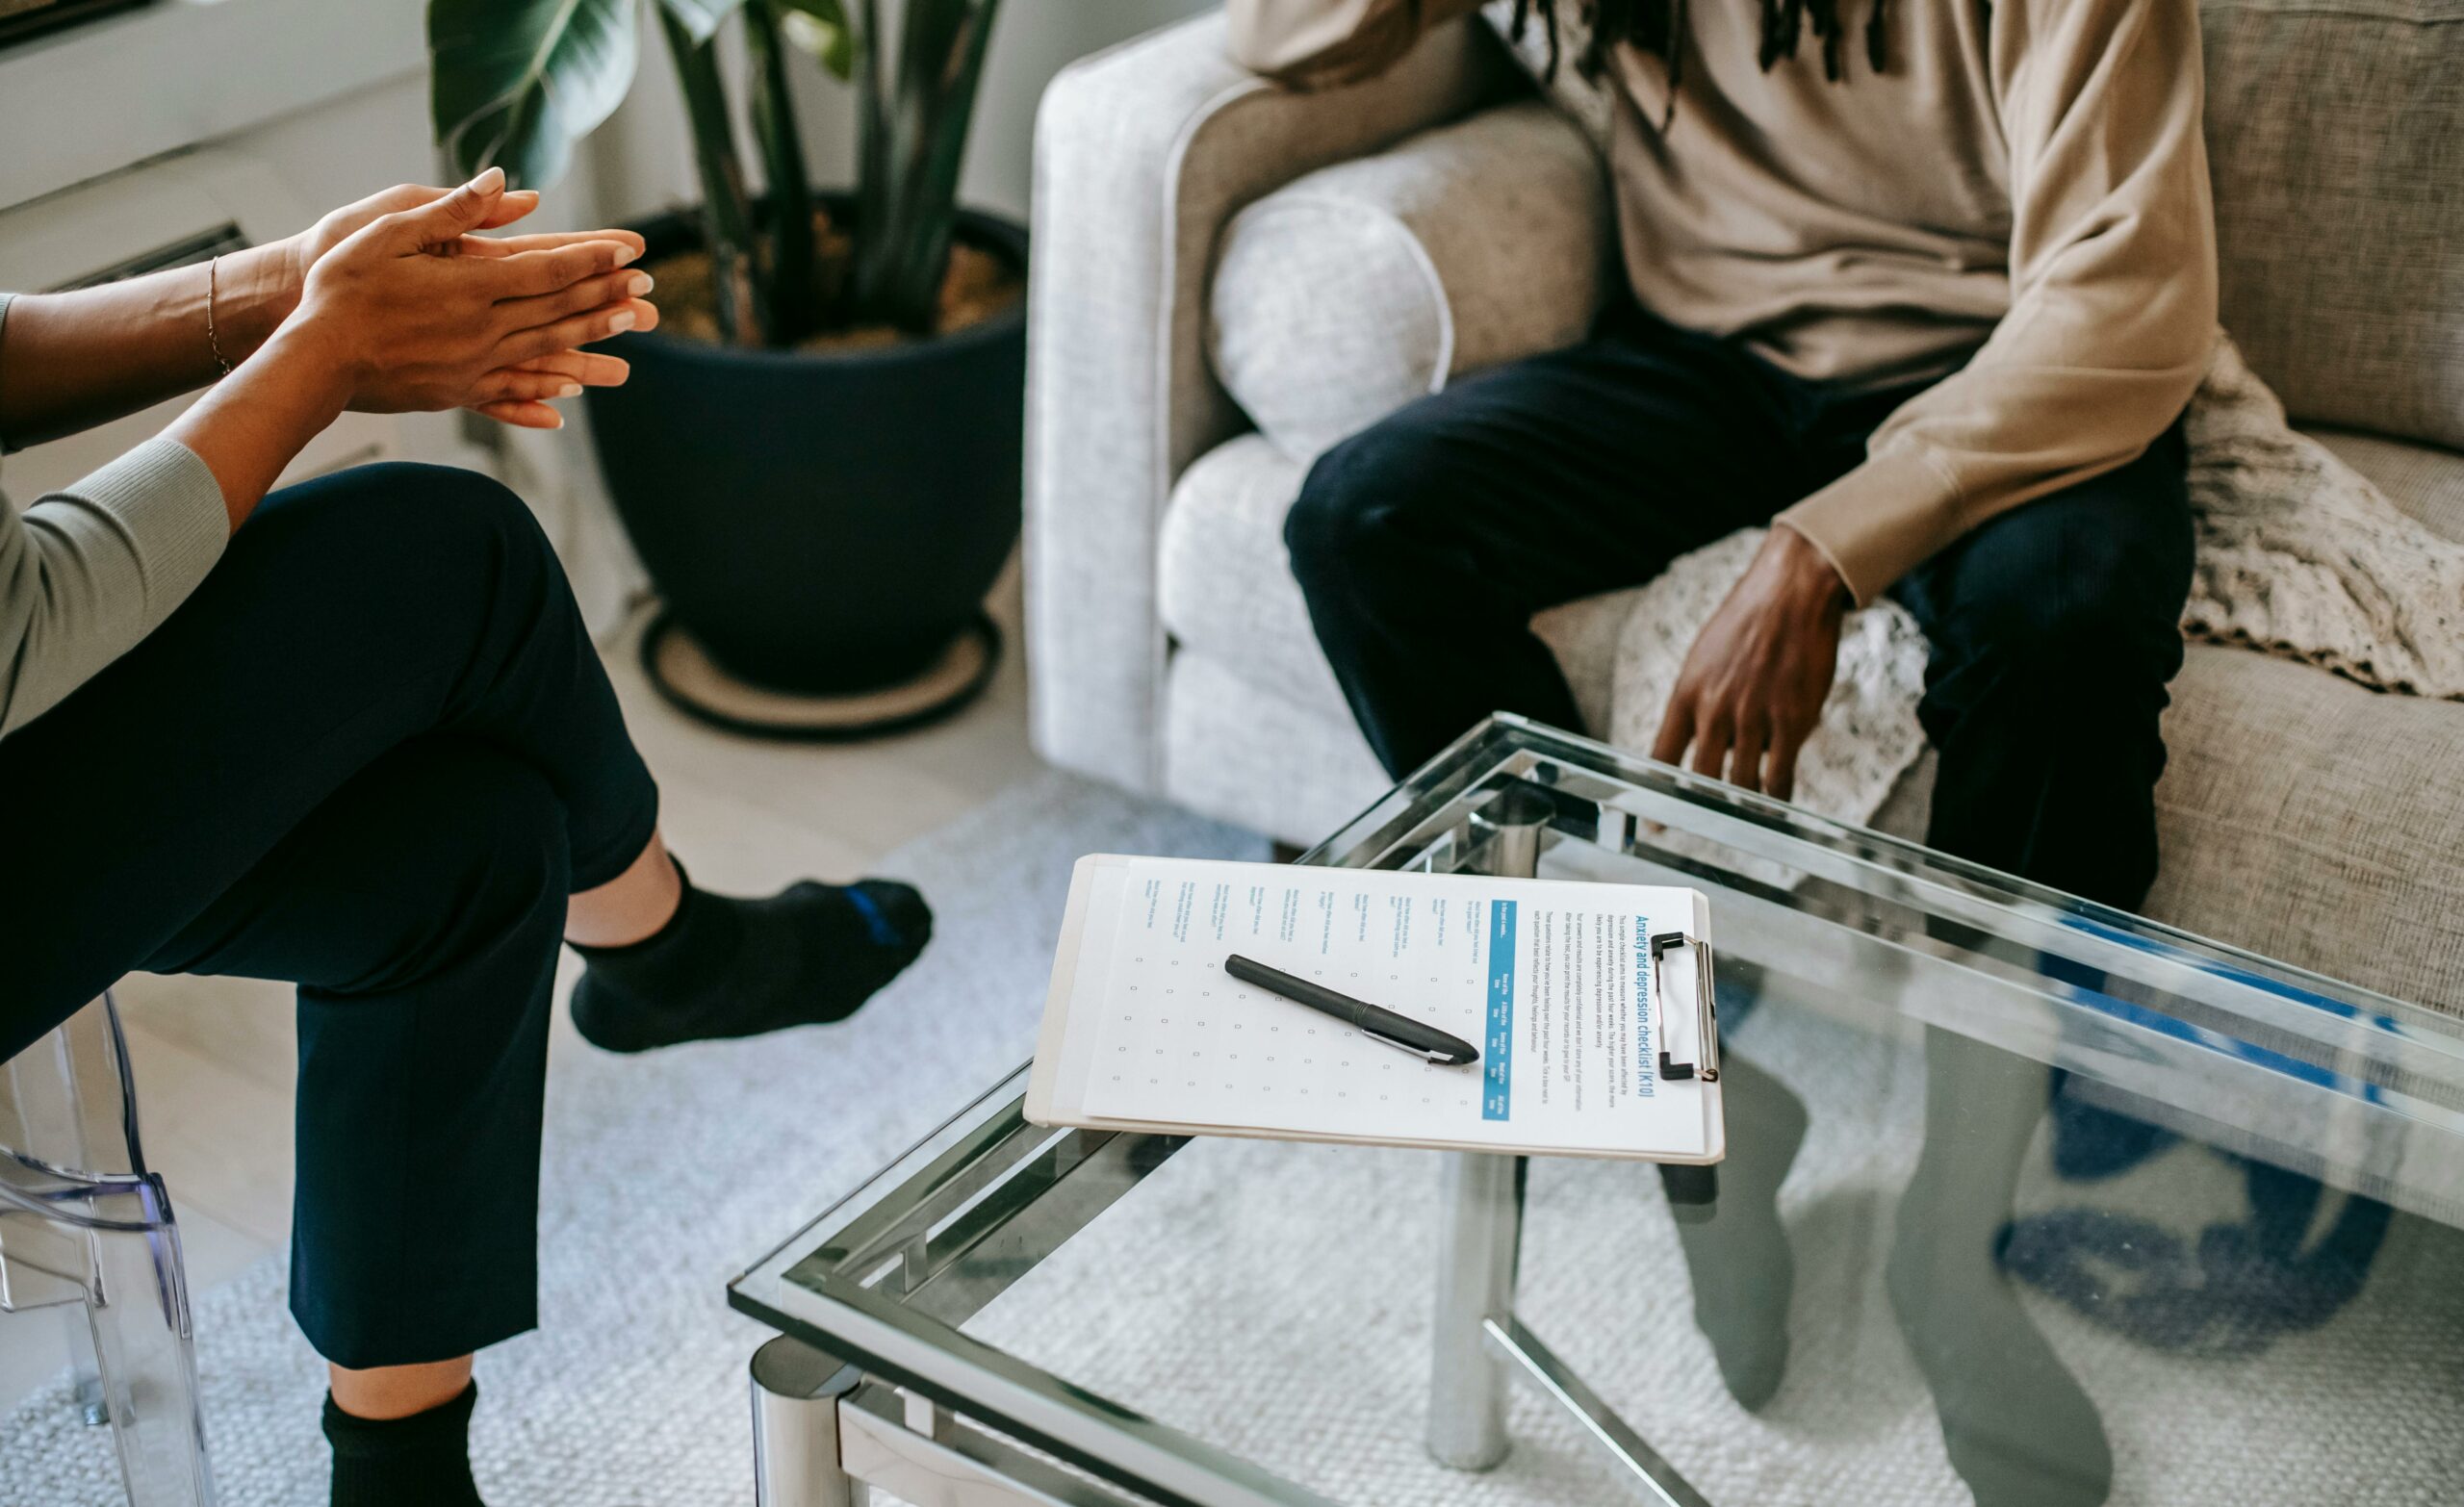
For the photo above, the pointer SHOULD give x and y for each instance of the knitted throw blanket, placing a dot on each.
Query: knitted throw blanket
(2299, 555)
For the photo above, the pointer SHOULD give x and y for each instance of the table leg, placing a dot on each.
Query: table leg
(1481, 1233)
(1482, 1237)
(795, 1427)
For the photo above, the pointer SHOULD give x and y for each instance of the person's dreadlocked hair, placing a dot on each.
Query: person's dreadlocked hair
(1658, 27)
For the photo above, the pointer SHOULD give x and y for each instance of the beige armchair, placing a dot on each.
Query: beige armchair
(2302, 815)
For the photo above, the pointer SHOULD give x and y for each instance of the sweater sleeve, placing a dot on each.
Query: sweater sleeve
(90, 569)
(2113, 299)
(1322, 43)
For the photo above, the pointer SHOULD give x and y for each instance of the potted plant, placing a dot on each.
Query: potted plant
(818, 455)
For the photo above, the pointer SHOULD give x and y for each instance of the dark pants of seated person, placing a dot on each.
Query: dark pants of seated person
(1426, 543)
(373, 753)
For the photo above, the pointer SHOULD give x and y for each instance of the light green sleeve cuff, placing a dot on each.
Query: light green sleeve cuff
(168, 509)
(92, 569)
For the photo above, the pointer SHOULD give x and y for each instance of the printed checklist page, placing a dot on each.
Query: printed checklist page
(1552, 981)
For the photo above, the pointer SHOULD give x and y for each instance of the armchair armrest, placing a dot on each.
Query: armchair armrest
(1347, 293)
(1142, 153)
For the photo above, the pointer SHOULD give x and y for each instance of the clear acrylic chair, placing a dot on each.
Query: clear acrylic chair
(86, 1227)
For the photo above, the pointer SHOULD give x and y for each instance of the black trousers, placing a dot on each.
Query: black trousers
(372, 756)
(1425, 545)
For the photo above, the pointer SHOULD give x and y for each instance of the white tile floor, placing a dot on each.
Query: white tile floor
(214, 1057)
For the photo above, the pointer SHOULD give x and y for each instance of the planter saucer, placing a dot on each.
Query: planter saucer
(690, 681)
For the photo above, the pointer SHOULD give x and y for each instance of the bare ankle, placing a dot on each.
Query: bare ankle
(398, 1392)
(630, 907)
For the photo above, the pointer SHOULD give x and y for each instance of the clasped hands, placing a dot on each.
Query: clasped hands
(402, 306)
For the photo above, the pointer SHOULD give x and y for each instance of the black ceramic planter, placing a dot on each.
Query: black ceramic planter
(821, 524)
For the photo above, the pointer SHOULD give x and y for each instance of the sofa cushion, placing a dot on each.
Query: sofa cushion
(1357, 288)
(2315, 821)
(2425, 481)
(1224, 587)
(1239, 751)
(2336, 140)
(1223, 581)
(2303, 817)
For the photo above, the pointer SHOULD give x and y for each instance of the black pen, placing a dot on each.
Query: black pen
(1378, 1024)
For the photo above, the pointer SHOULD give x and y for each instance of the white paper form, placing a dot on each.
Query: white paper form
(1550, 980)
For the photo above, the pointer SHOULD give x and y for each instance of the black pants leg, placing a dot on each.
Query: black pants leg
(420, 910)
(2055, 628)
(1425, 543)
(371, 755)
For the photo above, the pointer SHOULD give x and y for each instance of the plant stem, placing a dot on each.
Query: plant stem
(911, 178)
(794, 295)
(872, 161)
(727, 208)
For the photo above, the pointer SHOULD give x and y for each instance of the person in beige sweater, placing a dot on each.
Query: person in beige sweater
(1926, 284)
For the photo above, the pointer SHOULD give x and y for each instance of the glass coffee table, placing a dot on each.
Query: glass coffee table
(2027, 1202)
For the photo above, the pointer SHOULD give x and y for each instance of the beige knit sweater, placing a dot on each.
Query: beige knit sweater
(2023, 187)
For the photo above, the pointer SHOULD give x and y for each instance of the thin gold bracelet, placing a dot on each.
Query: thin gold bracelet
(212, 341)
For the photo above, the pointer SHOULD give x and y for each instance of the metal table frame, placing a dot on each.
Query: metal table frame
(873, 1383)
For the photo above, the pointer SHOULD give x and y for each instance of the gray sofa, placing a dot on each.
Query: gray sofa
(1229, 275)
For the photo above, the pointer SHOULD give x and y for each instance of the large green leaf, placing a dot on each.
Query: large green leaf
(517, 82)
(821, 27)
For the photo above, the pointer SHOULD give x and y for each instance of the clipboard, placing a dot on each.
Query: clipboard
(1682, 1010)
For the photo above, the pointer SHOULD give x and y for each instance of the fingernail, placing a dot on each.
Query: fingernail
(624, 320)
(489, 180)
(638, 284)
(568, 389)
(624, 253)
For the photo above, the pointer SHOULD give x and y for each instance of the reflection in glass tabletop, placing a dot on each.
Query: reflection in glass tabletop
(2027, 1202)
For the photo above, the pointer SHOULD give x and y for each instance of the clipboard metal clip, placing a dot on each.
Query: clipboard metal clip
(1707, 1063)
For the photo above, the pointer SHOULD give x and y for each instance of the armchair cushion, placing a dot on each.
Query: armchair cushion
(1350, 291)
(1227, 596)
(2424, 481)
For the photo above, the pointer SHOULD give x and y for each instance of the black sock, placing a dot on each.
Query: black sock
(421, 1461)
(725, 967)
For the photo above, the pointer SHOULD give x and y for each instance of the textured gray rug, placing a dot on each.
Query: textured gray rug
(1275, 1299)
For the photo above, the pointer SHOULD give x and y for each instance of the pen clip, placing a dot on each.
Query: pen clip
(1405, 1048)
